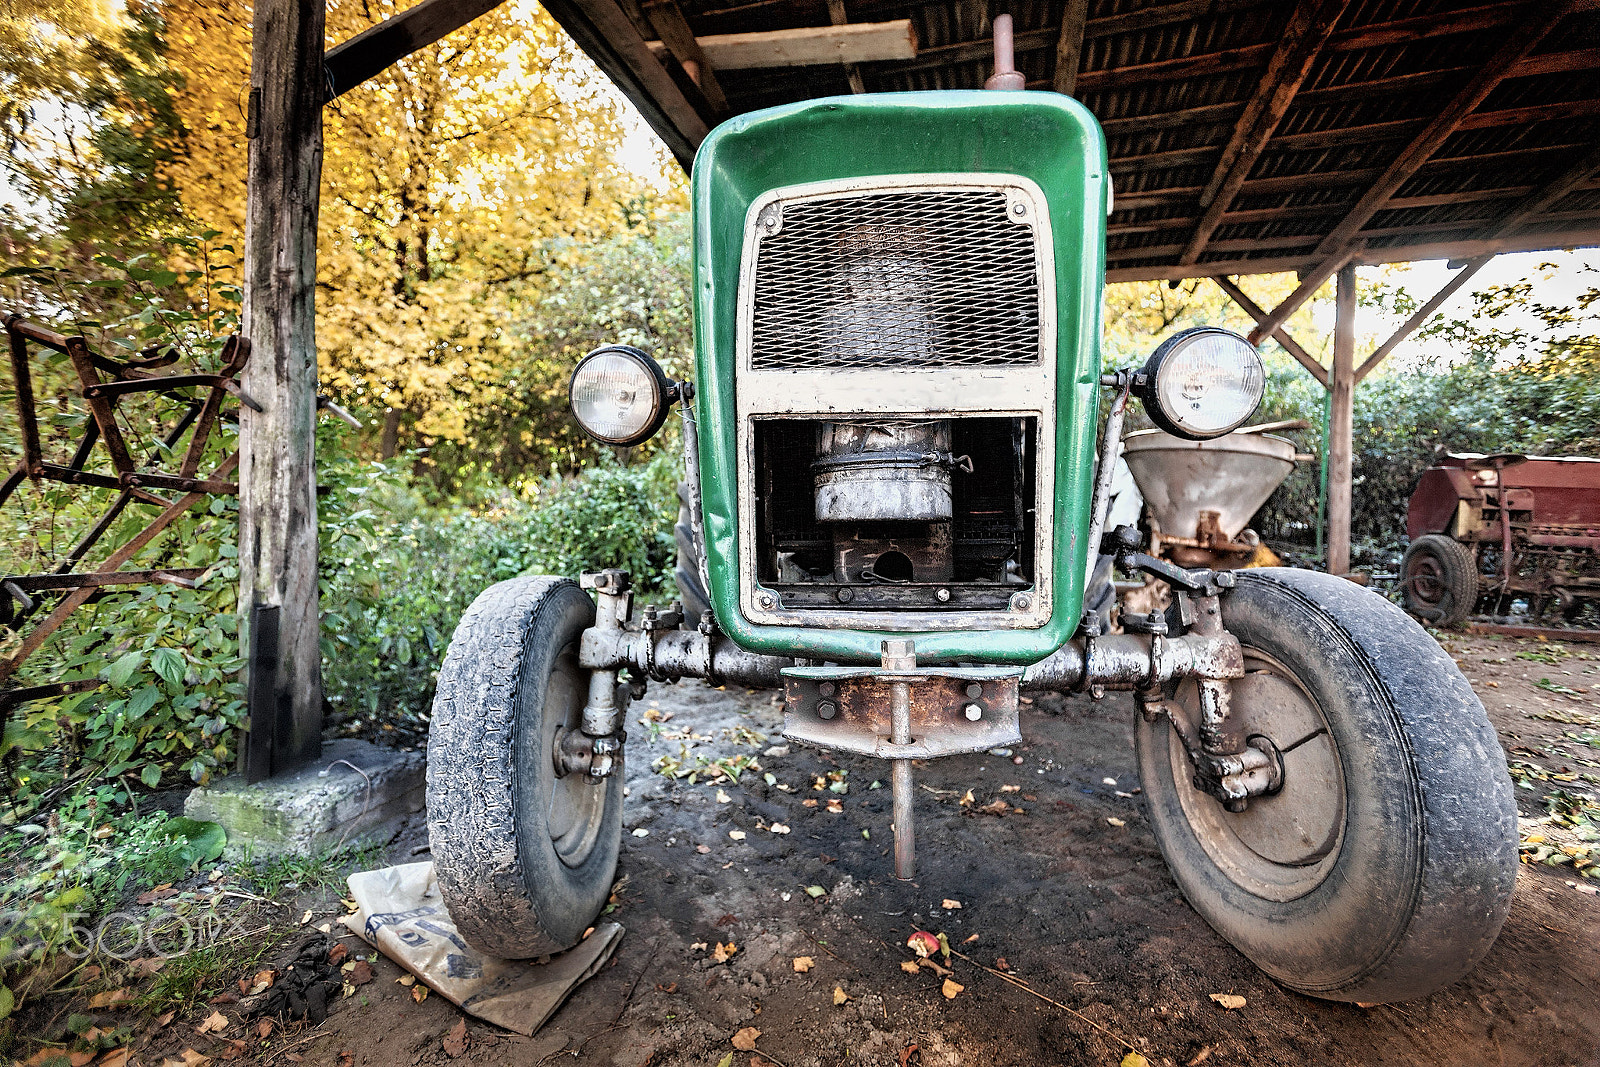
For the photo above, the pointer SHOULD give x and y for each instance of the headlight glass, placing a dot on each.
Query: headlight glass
(619, 395)
(1203, 383)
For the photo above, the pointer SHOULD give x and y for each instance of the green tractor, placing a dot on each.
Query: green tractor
(893, 510)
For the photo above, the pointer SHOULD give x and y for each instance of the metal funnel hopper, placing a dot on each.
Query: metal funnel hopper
(1232, 475)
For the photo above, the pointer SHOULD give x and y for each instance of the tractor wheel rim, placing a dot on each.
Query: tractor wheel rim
(577, 802)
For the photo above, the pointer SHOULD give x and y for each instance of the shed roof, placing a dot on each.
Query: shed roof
(1244, 135)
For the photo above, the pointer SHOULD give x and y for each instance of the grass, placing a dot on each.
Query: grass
(326, 870)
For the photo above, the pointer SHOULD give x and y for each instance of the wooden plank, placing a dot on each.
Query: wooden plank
(1169, 120)
(1556, 62)
(810, 46)
(1421, 316)
(852, 72)
(610, 38)
(373, 50)
(1426, 27)
(1182, 67)
(1568, 181)
(1588, 237)
(278, 485)
(1519, 41)
(1308, 285)
(1521, 116)
(1341, 436)
(1177, 157)
(1280, 335)
(1149, 18)
(1347, 135)
(667, 19)
(1069, 45)
(1309, 27)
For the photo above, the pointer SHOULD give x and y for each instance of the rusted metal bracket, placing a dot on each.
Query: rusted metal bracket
(103, 382)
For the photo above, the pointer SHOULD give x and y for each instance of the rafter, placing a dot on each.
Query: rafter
(1069, 45)
(1280, 335)
(1421, 316)
(1308, 29)
(852, 72)
(667, 19)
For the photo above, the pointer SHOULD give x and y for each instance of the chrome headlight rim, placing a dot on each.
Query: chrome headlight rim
(664, 395)
(1149, 385)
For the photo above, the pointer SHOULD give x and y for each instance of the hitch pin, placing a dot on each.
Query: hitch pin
(901, 655)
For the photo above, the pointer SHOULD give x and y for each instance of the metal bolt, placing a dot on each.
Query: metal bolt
(974, 690)
(942, 596)
(973, 712)
(766, 601)
(1021, 602)
(827, 709)
(1225, 579)
(827, 689)
(845, 594)
(1019, 209)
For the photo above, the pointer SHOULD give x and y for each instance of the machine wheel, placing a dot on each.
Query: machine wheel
(1439, 580)
(524, 857)
(1383, 868)
(691, 590)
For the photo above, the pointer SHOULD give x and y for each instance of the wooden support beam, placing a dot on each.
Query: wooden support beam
(605, 32)
(1568, 181)
(367, 53)
(852, 72)
(1426, 27)
(1341, 435)
(1536, 19)
(1421, 316)
(1170, 120)
(1308, 285)
(1308, 29)
(1182, 67)
(666, 18)
(1280, 335)
(809, 46)
(1069, 45)
(277, 475)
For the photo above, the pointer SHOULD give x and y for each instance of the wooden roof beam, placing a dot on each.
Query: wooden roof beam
(666, 18)
(852, 72)
(372, 51)
(1308, 29)
(1069, 45)
(1568, 181)
(605, 32)
(809, 46)
(1421, 316)
(1280, 335)
(1339, 246)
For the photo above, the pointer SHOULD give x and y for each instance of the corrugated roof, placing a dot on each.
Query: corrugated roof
(1244, 135)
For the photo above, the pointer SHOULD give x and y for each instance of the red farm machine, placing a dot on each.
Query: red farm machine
(1504, 533)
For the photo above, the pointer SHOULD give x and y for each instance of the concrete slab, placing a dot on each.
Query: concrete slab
(353, 794)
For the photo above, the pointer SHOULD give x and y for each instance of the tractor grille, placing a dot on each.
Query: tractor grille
(897, 278)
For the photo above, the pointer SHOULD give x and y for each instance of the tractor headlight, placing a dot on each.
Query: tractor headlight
(1202, 383)
(620, 396)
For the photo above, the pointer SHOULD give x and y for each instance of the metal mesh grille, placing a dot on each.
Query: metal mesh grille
(919, 278)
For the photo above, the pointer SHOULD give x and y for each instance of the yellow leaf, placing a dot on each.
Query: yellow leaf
(802, 964)
(839, 995)
(909, 967)
(1230, 1001)
(214, 1024)
(745, 1040)
(950, 989)
(1133, 1059)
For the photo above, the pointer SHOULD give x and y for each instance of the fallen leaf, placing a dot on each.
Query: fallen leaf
(1494, 685)
(117, 1057)
(1011, 789)
(779, 828)
(306, 917)
(1230, 1001)
(419, 993)
(361, 973)
(91, 972)
(641, 832)
(231, 1051)
(262, 981)
(723, 798)
(347, 1058)
(745, 1040)
(726, 1061)
(349, 905)
(1367, 1003)
(704, 850)
(80, 1059)
(456, 1041)
(949, 905)
(723, 953)
(337, 953)
(737, 835)
(146, 967)
(160, 892)
(348, 990)
(1133, 1059)
(701, 945)
(996, 807)
(910, 967)
(215, 1023)
(407, 980)
(839, 995)
(970, 939)
(728, 919)
(223, 998)
(836, 807)
(814, 891)
(907, 1052)
(934, 966)
(950, 989)
(264, 1029)
(809, 802)
(802, 964)
(1000, 964)
(1199, 1057)
(164, 1018)
(1114, 821)
(187, 1058)
(110, 998)
(669, 988)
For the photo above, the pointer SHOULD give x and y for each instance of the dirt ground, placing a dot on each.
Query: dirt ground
(1066, 892)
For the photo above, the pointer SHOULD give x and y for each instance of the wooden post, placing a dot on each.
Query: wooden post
(1340, 425)
(278, 499)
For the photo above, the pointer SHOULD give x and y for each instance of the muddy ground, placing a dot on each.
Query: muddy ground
(1066, 892)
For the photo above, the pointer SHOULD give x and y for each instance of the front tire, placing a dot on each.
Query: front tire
(1439, 580)
(525, 858)
(1383, 869)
